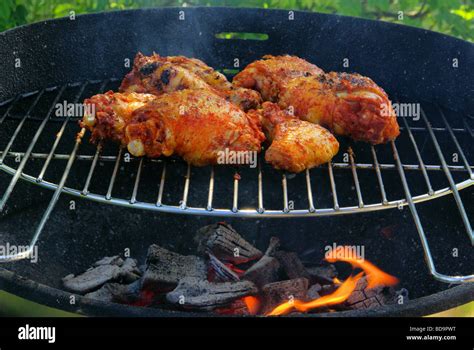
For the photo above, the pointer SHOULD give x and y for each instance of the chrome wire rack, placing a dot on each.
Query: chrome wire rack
(269, 193)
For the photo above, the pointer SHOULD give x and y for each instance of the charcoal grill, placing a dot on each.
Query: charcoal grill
(72, 59)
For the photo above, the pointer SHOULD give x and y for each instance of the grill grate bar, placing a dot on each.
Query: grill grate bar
(420, 160)
(210, 195)
(7, 112)
(311, 209)
(437, 129)
(260, 208)
(420, 230)
(20, 125)
(85, 190)
(133, 199)
(235, 198)
(159, 201)
(356, 179)
(184, 201)
(333, 186)
(456, 142)
(26, 253)
(59, 135)
(26, 156)
(108, 196)
(284, 184)
(379, 176)
(452, 184)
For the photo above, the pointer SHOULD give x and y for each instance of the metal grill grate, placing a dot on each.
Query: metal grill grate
(264, 181)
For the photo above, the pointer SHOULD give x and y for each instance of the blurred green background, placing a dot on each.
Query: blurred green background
(451, 17)
(447, 16)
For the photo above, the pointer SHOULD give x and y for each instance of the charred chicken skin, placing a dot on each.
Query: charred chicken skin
(296, 145)
(194, 124)
(158, 75)
(270, 74)
(347, 104)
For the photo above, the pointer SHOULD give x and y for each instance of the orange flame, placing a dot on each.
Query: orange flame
(375, 278)
(340, 295)
(252, 303)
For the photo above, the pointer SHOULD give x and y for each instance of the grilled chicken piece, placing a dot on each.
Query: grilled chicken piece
(296, 145)
(348, 104)
(157, 75)
(194, 124)
(270, 74)
(111, 114)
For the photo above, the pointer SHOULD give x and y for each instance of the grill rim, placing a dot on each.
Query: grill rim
(26, 288)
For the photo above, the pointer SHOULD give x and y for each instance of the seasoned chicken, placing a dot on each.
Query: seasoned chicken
(270, 74)
(296, 145)
(157, 75)
(108, 114)
(197, 125)
(348, 104)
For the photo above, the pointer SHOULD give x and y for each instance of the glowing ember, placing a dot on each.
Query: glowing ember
(375, 278)
(146, 298)
(252, 303)
(238, 271)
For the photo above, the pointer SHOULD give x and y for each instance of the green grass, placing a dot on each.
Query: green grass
(11, 305)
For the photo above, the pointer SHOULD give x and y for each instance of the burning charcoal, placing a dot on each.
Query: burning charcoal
(129, 271)
(322, 274)
(313, 292)
(364, 298)
(165, 269)
(91, 279)
(236, 307)
(225, 244)
(118, 293)
(263, 271)
(328, 289)
(222, 271)
(103, 273)
(192, 293)
(276, 293)
(291, 265)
